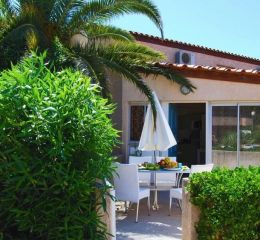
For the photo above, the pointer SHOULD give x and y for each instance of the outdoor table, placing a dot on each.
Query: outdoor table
(178, 172)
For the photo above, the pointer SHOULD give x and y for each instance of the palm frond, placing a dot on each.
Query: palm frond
(4, 25)
(60, 56)
(45, 7)
(132, 52)
(92, 66)
(63, 9)
(16, 43)
(106, 32)
(11, 7)
(2, 10)
(147, 8)
(22, 39)
(98, 11)
(36, 12)
(107, 57)
(123, 69)
(98, 73)
(37, 23)
(157, 69)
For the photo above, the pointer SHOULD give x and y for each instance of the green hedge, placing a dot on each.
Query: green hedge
(56, 141)
(229, 201)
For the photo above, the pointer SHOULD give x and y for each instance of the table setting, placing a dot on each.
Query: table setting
(165, 165)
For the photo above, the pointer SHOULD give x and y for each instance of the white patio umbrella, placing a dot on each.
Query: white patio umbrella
(156, 139)
(159, 139)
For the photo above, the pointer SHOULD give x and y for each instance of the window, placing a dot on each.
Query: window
(236, 135)
(249, 135)
(224, 135)
(137, 115)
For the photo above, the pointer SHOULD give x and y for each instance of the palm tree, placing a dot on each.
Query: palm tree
(3, 21)
(76, 33)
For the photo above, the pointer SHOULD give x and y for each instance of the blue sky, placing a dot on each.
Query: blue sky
(229, 25)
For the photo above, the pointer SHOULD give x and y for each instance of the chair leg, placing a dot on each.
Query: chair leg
(126, 209)
(148, 205)
(170, 206)
(180, 204)
(155, 202)
(137, 210)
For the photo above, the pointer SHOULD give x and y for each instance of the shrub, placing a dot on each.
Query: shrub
(56, 141)
(229, 203)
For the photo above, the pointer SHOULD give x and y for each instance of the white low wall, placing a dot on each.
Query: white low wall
(190, 214)
(109, 216)
(229, 158)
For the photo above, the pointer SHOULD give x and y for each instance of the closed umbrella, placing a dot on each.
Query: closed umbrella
(156, 139)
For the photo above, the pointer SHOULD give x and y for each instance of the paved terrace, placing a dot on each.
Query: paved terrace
(159, 225)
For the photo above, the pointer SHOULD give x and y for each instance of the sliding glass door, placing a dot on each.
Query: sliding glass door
(235, 135)
(224, 135)
(249, 144)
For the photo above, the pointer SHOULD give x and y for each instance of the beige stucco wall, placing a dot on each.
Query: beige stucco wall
(207, 90)
(116, 90)
(211, 91)
(190, 214)
(202, 59)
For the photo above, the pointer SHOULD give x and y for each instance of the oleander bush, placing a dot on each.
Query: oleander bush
(229, 203)
(56, 140)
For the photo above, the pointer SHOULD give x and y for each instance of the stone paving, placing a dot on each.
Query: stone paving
(159, 225)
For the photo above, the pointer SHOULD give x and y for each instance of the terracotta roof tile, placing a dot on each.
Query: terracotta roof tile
(193, 47)
(214, 73)
(208, 68)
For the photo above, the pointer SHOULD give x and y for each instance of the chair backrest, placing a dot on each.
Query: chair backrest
(201, 168)
(138, 160)
(143, 177)
(126, 182)
(158, 159)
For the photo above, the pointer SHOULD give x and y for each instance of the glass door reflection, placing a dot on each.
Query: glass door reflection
(224, 135)
(249, 136)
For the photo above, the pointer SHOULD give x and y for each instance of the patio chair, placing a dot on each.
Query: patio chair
(144, 178)
(127, 186)
(176, 193)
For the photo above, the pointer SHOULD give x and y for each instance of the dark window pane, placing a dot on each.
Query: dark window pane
(137, 121)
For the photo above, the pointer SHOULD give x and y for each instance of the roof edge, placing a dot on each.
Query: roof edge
(194, 48)
(213, 73)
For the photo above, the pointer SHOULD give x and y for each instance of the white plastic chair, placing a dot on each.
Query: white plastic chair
(144, 178)
(176, 193)
(165, 180)
(127, 186)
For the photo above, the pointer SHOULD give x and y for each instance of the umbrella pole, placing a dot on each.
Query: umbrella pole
(155, 203)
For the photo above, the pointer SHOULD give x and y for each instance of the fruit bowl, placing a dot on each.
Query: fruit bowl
(167, 163)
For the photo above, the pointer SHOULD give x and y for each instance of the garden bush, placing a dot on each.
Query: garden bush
(56, 140)
(229, 203)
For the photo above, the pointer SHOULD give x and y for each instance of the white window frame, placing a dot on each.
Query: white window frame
(209, 125)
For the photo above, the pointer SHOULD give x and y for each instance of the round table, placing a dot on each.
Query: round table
(177, 171)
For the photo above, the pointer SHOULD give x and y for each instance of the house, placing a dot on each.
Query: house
(219, 122)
